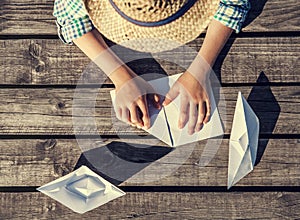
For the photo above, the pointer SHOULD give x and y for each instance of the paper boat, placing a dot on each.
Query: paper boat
(243, 141)
(82, 190)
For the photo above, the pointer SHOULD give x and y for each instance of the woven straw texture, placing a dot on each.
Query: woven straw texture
(150, 39)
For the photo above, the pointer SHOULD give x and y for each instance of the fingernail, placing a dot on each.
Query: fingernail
(147, 126)
(156, 98)
(198, 128)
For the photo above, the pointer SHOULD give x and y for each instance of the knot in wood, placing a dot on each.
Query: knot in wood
(47, 145)
(60, 105)
(35, 50)
(61, 169)
(40, 67)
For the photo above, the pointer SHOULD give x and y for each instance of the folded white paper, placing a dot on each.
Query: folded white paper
(243, 141)
(164, 122)
(82, 190)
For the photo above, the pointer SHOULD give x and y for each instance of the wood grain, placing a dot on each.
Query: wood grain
(242, 61)
(29, 67)
(272, 15)
(152, 205)
(49, 111)
(27, 17)
(34, 162)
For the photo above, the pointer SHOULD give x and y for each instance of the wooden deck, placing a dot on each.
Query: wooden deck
(37, 83)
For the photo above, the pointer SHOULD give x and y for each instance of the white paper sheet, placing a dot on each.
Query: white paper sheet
(243, 141)
(82, 190)
(164, 122)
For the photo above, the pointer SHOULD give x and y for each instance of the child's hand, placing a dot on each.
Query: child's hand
(131, 104)
(194, 101)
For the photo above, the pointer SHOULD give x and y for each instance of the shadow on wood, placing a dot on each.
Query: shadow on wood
(118, 161)
(262, 101)
(141, 63)
(220, 59)
(257, 7)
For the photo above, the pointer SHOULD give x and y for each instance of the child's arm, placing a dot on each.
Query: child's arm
(195, 103)
(131, 89)
(93, 45)
(74, 25)
(216, 37)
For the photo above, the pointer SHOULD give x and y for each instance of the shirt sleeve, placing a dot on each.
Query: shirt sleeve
(72, 19)
(232, 13)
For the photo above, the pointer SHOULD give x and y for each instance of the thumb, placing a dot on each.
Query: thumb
(156, 101)
(171, 95)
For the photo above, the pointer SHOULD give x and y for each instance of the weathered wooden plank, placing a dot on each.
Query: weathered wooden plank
(49, 111)
(273, 15)
(28, 17)
(152, 205)
(241, 61)
(33, 162)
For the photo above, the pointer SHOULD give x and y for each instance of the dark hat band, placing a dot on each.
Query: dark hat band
(164, 21)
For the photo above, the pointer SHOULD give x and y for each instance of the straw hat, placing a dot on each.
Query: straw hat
(151, 25)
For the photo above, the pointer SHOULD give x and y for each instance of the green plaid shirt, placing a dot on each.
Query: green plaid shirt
(73, 20)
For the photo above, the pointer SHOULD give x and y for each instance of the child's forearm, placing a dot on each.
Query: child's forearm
(216, 36)
(93, 45)
(215, 39)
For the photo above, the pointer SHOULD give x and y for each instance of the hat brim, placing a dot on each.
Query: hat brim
(151, 39)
